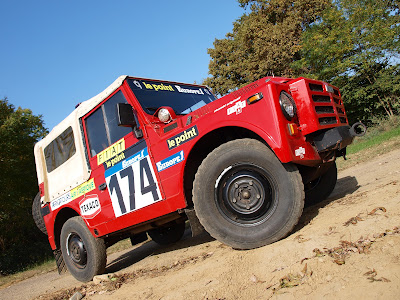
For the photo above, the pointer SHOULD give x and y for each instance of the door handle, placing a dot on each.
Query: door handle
(102, 186)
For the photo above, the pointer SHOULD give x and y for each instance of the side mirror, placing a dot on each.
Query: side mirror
(125, 115)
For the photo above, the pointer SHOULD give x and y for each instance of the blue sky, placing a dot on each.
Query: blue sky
(55, 54)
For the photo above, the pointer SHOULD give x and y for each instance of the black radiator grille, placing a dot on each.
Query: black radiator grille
(327, 120)
(324, 110)
(321, 98)
(316, 87)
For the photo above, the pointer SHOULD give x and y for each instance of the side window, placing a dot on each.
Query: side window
(60, 150)
(101, 126)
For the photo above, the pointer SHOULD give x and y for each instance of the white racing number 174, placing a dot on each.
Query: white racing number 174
(132, 187)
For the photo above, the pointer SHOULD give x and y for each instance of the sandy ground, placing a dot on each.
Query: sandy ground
(346, 247)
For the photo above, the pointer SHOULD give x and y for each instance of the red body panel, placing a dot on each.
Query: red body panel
(175, 141)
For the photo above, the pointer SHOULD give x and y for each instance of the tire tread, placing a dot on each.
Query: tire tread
(293, 175)
(98, 257)
(37, 214)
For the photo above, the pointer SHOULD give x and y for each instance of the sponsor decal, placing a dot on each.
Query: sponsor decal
(144, 88)
(157, 87)
(137, 83)
(238, 94)
(182, 137)
(111, 152)
(189, 91)
(169, 88)
(170, 161)
(82, 189)
(300, 152)
(237, 108)
(132, 183)
(127, 153)
(135, 158)
(227, 104)
(90, 206)
(115, 160)
(73, 194)
(60, 201)
(128, 162)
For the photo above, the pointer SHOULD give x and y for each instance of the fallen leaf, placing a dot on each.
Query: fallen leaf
(373, 212)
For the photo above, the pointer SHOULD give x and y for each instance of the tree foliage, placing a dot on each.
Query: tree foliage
(374, 92)
(355, 44)
(349, 34)
(20, 240)
(263, 42)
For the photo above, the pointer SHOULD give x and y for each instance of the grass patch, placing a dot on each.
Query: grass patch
(380, 138)
(372, 140)
(32, 271)
(50, 265)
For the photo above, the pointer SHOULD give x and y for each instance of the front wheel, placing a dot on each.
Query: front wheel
(245, 197)
(84, 255)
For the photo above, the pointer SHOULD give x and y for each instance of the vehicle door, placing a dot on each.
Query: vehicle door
(120, 165)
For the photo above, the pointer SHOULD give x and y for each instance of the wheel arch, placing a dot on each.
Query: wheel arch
(208, 143)
(63, 215)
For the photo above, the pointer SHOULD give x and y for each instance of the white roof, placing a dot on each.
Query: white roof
(75, 171)
(84, 108)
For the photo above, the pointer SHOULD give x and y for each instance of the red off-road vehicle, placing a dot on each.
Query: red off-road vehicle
(146, 155)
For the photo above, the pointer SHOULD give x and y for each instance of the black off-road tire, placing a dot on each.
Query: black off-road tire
(84, 255)
(168, 234)
(37, 214)
(245, 197)
(320, 188)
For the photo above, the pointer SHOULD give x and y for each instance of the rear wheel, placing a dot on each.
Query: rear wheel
(245, 197)
(320, 188)
(37, 214)
(168, 234)
(84, 255)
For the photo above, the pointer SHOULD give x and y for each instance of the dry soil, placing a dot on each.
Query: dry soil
(346, 247)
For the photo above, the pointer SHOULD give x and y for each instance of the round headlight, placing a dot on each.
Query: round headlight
(287, 105)
(164, 115)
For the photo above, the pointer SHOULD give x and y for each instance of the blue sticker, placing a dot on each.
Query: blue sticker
(170, 161)
(127, 162)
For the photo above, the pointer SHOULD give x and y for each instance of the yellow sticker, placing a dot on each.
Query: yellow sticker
(82, 189)
(158, 87)
(111, 151)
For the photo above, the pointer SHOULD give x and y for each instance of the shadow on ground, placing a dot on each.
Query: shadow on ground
(150, 248)
(344, 186)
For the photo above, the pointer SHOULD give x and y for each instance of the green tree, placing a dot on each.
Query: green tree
(20, 241)
(355, 45)
(263, 42)
(371, 93)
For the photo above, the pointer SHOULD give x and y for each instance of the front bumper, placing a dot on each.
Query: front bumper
(336, 138)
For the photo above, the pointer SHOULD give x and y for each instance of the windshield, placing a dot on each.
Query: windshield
(182, 98)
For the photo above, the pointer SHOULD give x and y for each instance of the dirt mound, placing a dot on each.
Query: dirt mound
(345, 247)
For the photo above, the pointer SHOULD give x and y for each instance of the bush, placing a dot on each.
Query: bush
(18, 257)
(379, 125)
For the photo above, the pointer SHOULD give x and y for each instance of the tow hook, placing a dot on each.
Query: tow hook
(358, 129)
